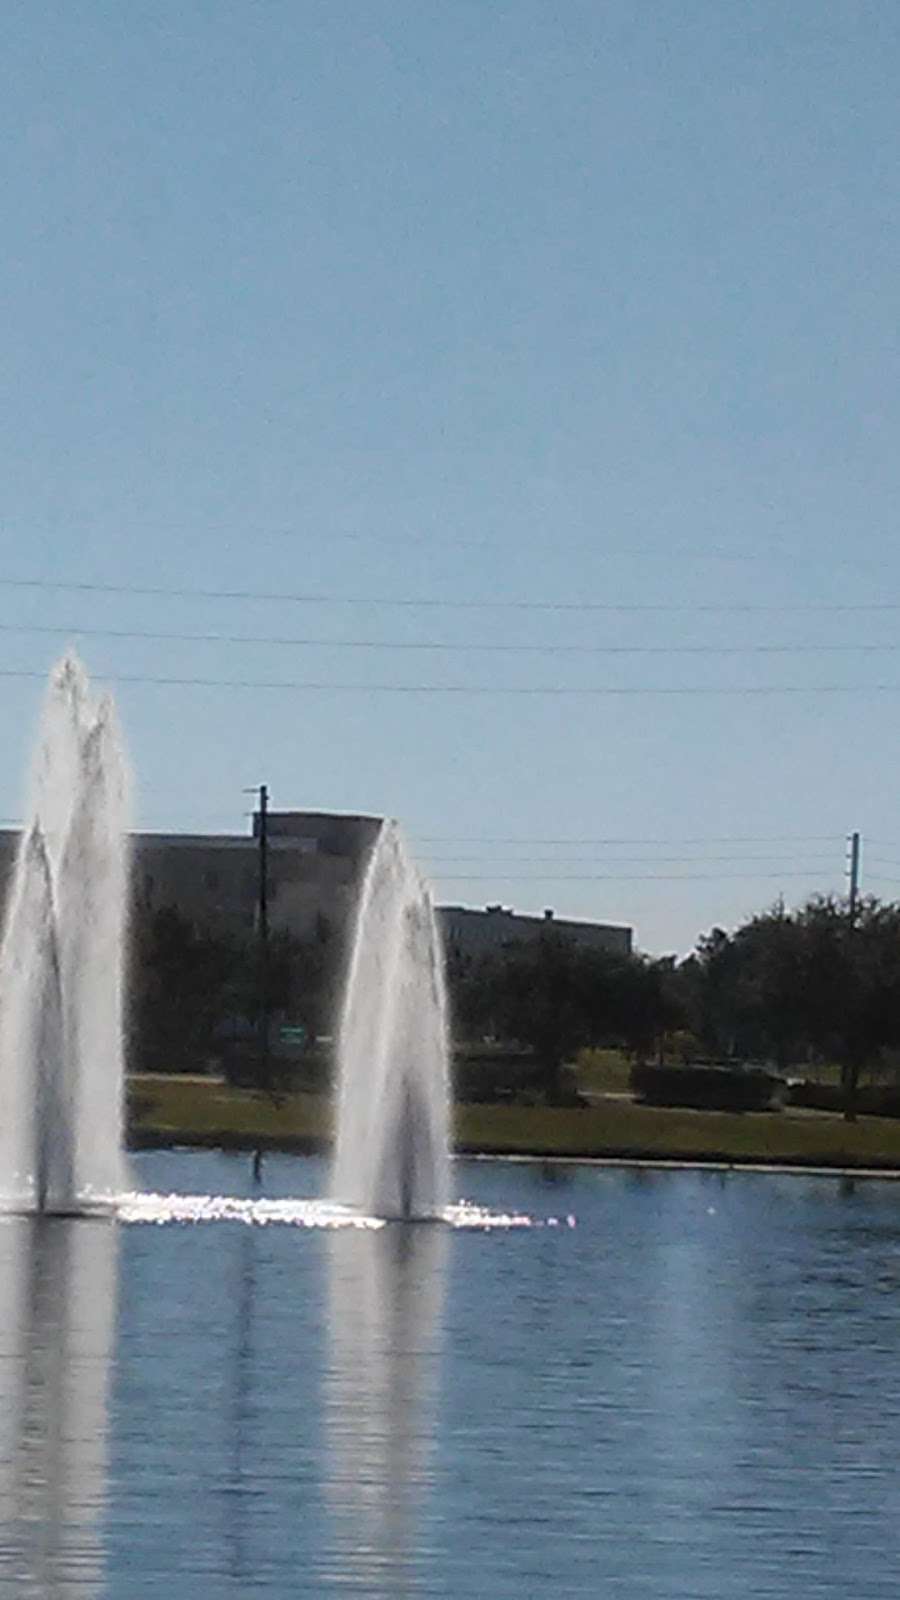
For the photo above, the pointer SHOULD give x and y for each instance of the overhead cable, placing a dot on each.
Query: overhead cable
(153, 591)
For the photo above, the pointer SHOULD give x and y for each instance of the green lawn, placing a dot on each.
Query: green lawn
(602, 1072)
(194, 1110)
(176, 1110)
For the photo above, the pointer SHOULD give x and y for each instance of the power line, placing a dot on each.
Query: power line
(565, 861)
(489, 647)
(826, 838)
(708, 839)
(572, 861)
(615, 877)
(151, 591)
(581, 691)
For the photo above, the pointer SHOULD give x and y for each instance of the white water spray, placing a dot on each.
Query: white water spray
(61, 961)
(393, 1060)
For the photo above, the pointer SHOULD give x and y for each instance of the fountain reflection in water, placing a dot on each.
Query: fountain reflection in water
(61, 960)
(392, 1158)
(58, 1291)
(385, 1327)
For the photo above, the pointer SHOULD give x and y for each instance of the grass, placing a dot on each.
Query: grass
(620, 1128)
(206, 1112)
(602, 1072)
(195, 1110)
(606, 1072)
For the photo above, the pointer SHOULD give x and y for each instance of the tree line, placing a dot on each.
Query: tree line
(194, 992)
(791, 988)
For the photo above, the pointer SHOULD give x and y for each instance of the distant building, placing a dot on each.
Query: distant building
(468, 932)
(316, 861)
(315, 866)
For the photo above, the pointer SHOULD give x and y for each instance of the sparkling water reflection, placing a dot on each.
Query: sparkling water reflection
(58, 1292)
(692, 1394)
(385, 1305)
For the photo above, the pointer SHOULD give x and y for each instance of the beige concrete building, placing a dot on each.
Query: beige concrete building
(473, 932)
(315, 866)
(316, 861)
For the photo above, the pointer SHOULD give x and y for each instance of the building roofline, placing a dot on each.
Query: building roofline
(327, 816)
(279, 840)
(503, 912)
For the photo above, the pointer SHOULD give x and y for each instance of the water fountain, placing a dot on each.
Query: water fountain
(393, 1100)
(61, 961)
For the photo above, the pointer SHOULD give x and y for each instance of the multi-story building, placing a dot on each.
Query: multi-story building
(315, 865)
(470, 932)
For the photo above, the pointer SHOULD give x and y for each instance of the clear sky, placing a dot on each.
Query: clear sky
(533, 313)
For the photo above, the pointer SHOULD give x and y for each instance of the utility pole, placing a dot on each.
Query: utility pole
(850, 1066)
(263, 936)
(854, 876)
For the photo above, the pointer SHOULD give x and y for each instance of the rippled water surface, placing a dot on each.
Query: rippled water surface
(693, 1392)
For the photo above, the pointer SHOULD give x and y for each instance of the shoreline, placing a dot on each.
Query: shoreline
(309, 1145)
(207, 1114)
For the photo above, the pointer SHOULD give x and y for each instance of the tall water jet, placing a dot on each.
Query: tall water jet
(61, 961)
(393, 1058)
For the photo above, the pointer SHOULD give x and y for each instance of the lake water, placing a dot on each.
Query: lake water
(693, 1392)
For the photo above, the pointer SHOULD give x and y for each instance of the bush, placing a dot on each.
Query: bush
(871, 1100)
(705, 1088)
(485, 1077)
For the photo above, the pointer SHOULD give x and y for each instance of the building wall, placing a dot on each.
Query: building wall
(315, 865)
(471, 932)
(315, 868)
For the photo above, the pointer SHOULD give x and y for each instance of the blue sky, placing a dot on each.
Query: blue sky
(496, 306)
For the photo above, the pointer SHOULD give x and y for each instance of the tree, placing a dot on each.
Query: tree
(640, 1004)
(540, 999)
(706, 981)
(183, 984)
(186, 984)
(554, 996)
(790, 984)
(852, 985)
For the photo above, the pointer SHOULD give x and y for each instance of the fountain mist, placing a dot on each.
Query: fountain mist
(393, 1109)
(61, 961)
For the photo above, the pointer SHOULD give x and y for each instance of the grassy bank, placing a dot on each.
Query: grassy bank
(167, 1111)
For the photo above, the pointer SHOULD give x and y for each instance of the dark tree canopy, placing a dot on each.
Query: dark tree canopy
(802, 986)
(187, 985)
(787, 987)
(553, 996)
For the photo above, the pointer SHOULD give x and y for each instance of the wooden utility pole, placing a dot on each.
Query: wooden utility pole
(854, 876)
(850, 1067)
(263, 937)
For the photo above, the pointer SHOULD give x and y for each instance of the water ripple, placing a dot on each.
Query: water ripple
(198, 1208)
